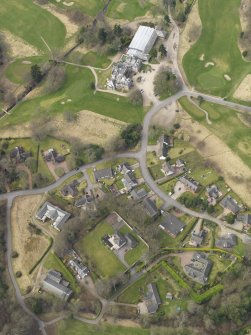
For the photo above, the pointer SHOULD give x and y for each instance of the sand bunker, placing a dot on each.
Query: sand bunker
(71, 28)
(27, 62)
(243, 91)
(226, 76)
(68, 4)
(209, 64)
(202, 57)
(18, 47)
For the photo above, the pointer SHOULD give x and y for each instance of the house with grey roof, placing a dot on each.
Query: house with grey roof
(138, 194)
(244, 218)
(197, 239)
(152, 298)
(129, 181)
(164, 144)
(226, 241)
(53, 213)
(231, 204)
(168, 169)
(84, 201)
(19, 155)
(131, 241)
(190, 183)
(150, 208)
(124, 168)
(172, 225)
(199, 268)
(51, 155)
(117, 241)
(54, 283)
(103, 174)
(70, 189)
(79, 268)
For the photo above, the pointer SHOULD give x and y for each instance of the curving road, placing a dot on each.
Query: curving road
(140, 156)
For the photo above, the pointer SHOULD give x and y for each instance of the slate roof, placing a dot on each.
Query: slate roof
(70, 189)
(213, 191)
(244, 218)
(226, 241)
(129, 181)
(138, 194)
(150, 207)
(171, 224)
(199, 268)
(54, 213)
(54, 283)
(190, 183)
(152, 298)
(231, 204)
(103, 174)
(84, 200)
(132, 242)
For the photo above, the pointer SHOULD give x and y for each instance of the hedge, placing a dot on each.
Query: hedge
(44, 254)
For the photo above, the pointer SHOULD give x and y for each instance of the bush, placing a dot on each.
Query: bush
(18, 274)
(136, 98)
(131, 135)
(165, 82)
(14, 254)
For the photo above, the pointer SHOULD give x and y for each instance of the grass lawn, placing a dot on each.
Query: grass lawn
(180, 148)
(77, 88)
(55, 263)
(18, 72)
(239, 249)
(74, 327)
(225, 124)
(156, 172)
(135, 254)
(168, 186)
(217, 16)
(101, 259)
(219, 265)
(35, 22)
(129, 9)
(96, 60)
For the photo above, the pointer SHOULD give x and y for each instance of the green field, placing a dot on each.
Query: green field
(102, 260)
(225, 124)
(77, 88)
(96, 60)
(221, 30)
(18, 72)
(55, 263)
(74, 327)
(126, 9)
(28, 21)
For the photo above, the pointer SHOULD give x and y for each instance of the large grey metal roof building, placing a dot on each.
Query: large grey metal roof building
(142, 42)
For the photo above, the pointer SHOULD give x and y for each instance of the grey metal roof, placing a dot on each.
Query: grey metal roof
(142, 42)
(172, 224)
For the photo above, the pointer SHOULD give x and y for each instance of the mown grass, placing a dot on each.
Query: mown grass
(74, 327)
(77, 88)
(28, 21)
(219, 18)
(102, 259)
(225, 124)
(19, 72)
(126, 9)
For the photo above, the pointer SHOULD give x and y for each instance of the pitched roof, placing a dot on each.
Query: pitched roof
(54, 213)
(199, 268)
(172, 224)
(226, 241)
(152, 298)
(103, 173)
(244, 218)
(138, 194)
(150, 207)
(190, 183)
(231, 204)
(54, 283)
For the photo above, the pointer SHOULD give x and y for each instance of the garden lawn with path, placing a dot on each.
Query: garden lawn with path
(219, 18)
(101, 259)
(75, 95)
